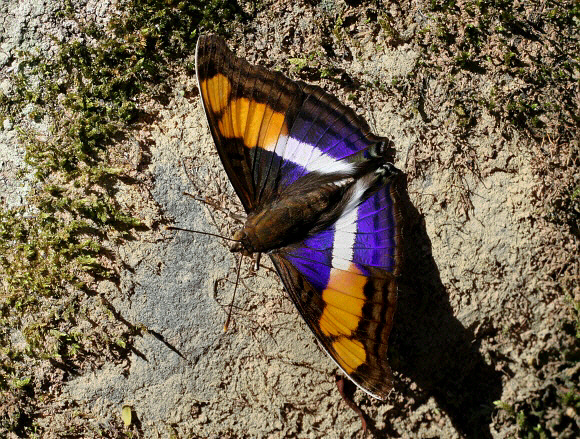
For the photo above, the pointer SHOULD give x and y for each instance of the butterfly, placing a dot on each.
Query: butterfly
(321, 200)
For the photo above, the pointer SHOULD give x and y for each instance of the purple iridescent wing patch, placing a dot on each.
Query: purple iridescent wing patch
(322, 138)
(378, 231)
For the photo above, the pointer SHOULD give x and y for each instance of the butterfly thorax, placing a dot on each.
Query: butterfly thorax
(291, 218)
(311, 204)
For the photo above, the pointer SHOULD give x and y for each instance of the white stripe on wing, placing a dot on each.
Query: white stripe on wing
(345, 229)
(306, 155)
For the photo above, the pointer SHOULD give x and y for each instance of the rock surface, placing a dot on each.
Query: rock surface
(477, 301)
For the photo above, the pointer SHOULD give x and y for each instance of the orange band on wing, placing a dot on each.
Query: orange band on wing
(350, 353)
(334, 321)
(260, 124)
(272, 129)
(351, 282)
(337, 299)
(221, 88)
(254, 122)
(344, 299)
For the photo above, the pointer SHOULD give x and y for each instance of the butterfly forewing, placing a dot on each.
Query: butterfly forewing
(249, 110)
(276, 138)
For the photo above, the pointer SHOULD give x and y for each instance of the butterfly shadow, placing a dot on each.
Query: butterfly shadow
(430, 345)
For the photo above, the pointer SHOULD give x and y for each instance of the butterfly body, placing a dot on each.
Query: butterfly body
(308, 206)
(322, 200)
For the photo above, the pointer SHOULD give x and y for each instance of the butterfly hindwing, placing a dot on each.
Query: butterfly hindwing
(345, 287)
(278, 139)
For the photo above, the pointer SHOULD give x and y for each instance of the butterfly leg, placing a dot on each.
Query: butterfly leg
(346, 389)
(227, 324)
(257, 264)
(205, 200)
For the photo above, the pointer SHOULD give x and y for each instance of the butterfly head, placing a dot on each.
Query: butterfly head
(241, 245)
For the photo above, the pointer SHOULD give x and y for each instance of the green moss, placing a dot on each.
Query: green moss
(313, 66)
(474, 44)
(463, 59)
(551, 411)
(53, 251)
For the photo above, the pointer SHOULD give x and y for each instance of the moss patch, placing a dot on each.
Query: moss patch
(54, 321)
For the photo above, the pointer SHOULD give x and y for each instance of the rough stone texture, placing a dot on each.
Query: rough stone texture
(474, 270)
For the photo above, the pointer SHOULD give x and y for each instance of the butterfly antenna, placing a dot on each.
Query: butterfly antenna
(227, 324)
(201, 233)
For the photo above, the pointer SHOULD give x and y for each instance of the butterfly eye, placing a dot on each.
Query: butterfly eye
(241, 244)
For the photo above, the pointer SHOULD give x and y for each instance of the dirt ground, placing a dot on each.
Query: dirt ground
(486, 336)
